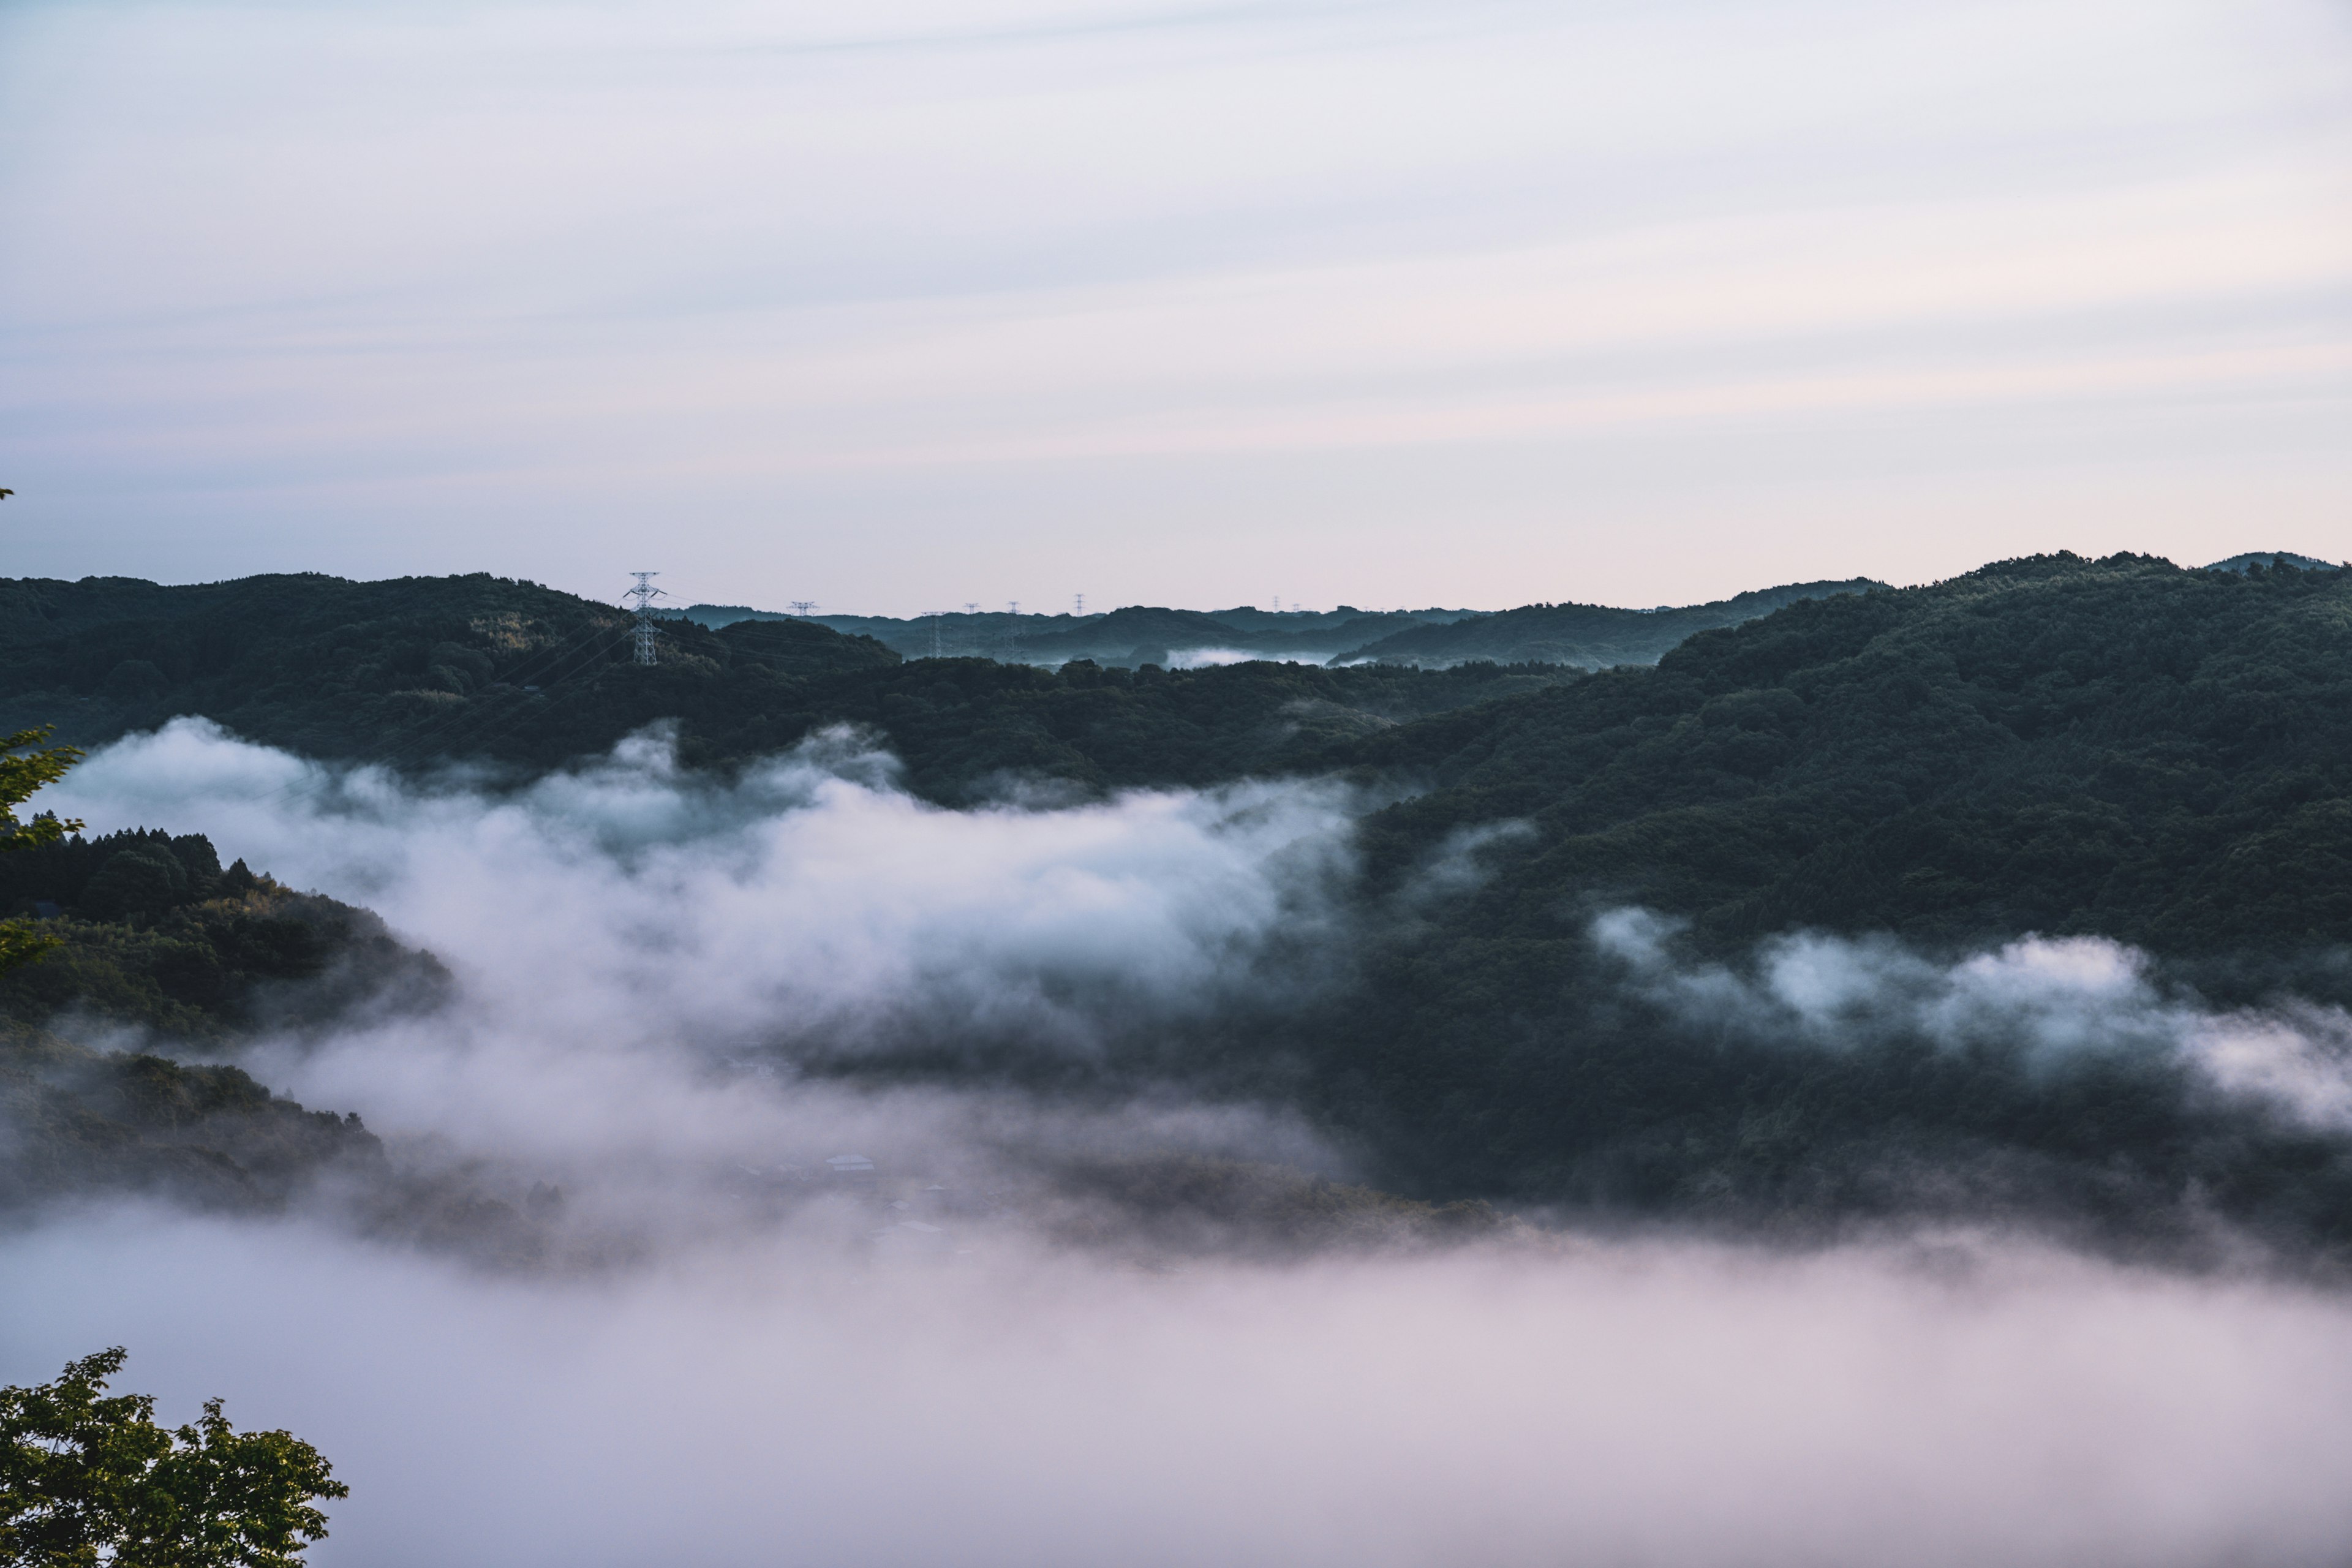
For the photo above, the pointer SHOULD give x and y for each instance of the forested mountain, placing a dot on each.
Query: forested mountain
(2050, 744)
(160, 946)
(2051, 748)
(2118, 749)
(2115, 748)
(156, 936)
(1591, 636)
(412, 672)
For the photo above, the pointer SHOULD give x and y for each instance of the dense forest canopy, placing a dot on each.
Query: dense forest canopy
(2116, 747)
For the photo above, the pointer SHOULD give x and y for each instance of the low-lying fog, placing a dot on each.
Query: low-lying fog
(635, 957)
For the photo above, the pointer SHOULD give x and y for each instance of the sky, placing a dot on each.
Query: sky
(1200, 303)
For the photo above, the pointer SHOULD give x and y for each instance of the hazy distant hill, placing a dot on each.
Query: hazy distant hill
(1593, 636)
(1589, 636)
(2254, 558)
(1127, 638)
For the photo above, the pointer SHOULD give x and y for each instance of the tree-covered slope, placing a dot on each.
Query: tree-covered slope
(2159, 755)
(160, 952)
(1591, 637)
(332, 667)
(155, 936)
(415, 671)
(2091, 750)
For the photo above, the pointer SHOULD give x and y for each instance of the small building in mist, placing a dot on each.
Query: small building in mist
(855, 1172)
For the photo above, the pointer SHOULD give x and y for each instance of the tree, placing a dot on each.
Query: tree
(87, 1478)
(25, 766)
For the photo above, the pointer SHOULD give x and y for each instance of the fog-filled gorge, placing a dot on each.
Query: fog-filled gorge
(1058, 783)
(675, 998)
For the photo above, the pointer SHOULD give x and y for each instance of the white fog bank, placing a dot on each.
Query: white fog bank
(1647, 1404)
(620, 932)
(744, 1395)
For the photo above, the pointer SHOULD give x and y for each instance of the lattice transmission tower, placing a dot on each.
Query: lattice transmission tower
(802, 606)
(641, 599)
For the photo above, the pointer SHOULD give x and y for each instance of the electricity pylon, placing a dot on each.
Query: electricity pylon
(643, 596)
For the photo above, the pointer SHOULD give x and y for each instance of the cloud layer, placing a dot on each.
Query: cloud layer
(625, 939)
(1659, 1404)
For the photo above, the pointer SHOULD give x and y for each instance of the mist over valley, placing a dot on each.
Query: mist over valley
(1044, 784)
(1712, 1108)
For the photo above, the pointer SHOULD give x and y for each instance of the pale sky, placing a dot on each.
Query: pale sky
(908, 304)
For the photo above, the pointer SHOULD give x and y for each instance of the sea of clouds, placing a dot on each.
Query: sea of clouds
(632, 946)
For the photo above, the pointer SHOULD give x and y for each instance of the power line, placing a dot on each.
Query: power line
(593, 640)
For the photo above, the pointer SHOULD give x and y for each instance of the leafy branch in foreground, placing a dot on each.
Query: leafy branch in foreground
(25, 766)
(87, 1478)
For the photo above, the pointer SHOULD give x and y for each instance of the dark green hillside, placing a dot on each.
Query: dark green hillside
(967, 725)
(160, 949)
(418, 671)
(1591, 636)
(83, 1121)
(155, 935)
(2117, 747)
(414, 667)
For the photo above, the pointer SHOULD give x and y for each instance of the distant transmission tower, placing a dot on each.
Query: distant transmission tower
(935, 615)
(1080, 601)
(1012, 606)
(643, 596)
(802, 606)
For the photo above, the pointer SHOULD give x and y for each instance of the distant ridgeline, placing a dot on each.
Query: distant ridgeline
(1124, 638)
(1590, 637)
(160, 948)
